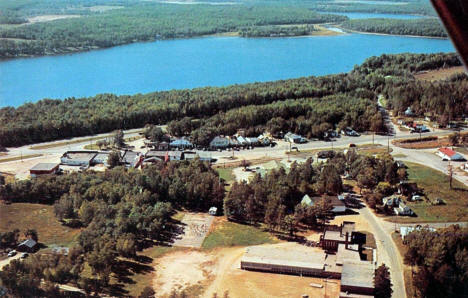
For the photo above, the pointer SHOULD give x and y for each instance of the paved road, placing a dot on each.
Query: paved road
(387, 252)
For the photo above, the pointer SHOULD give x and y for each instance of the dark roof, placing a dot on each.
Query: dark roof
(335, 201)
(29, 243)
(44, 167)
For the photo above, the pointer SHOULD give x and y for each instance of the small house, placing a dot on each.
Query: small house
(44, 169)
(391, 201)
(252, 141)
(307, 201)
(28, 245)
(403, 210)
(409, 112)
(219, 142)
(448, 154)
(294, 138)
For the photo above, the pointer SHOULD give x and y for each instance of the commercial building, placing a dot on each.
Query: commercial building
(78, 158)
(334, 235)
(448, 154)
(44, 169)
(357, 278)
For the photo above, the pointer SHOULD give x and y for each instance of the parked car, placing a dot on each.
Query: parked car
(24, 255)
(11, 253)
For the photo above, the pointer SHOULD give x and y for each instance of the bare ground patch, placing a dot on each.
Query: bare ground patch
(51, 17)
(195, 228)
(439, 74)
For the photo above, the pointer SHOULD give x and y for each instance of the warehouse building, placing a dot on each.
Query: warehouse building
(44, 169)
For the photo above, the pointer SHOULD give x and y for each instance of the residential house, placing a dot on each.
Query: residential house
(448, 154)
(28, 245)
(338, 206)
(44, 169)
(405, 231)
(294, 138)
(403, 210)
(409, 112)
(391, 201)
(252, 141)
(181, 144)
(213, 211)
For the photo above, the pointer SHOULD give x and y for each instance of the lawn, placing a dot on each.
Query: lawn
(40, 217)
(226, 174)
(435, 184)
(227, 233)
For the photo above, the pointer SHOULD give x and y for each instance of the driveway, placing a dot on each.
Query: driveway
(7, 261)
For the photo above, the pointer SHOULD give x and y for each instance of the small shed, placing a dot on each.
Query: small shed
(28, 245)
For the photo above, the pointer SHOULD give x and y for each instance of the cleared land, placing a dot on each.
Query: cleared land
(435, 184)
(51, 17)
(439, 74)
(227, 233)
(40, 217)
(195, 228)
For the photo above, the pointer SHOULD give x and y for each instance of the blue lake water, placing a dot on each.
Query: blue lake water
(188, 63)
(366, 15)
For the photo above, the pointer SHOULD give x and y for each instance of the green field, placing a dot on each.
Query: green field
(233, 234)
(40, 217)
(435, 184)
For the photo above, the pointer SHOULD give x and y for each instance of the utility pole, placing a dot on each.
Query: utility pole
(450, 173)
(388, 143)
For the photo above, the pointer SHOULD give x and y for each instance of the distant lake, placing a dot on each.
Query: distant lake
(366, 15)
(189, 63)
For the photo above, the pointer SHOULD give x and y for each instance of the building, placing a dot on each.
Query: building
(334, 235)
(405, 231)
(403, 210)
(78, 158)
(132, 159)
(163, 155)
(294, 138)
(409, 112)
(252, 141)
(28, 245)
(391, 201)
(357, 278)
(448, 154)
(181, 144)
(219, 142)
(338, 206)
(464, 167)
(213, 211)
(44, 169)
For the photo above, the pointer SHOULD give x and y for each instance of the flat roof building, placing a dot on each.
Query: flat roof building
(44, 169)
(357, 278)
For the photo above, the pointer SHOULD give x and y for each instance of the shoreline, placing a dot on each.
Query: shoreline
(388, 34)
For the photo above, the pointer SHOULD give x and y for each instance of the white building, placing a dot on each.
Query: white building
(448, 154)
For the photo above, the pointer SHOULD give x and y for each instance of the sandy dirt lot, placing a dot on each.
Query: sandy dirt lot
(218, 271)
(21, 168)
(195, 227)
(51, 17)
(439, 74)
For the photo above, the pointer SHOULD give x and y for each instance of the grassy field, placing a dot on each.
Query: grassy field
(19, 157)
(227, 233)
(435, 184)
(226, 174)
(40, 217)
(439, 74)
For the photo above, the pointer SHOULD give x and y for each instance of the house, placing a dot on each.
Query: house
(28, 245)
(403, 210)
(252, 141)
(44, 169)
(219, 142)
(348, 131)
(181, 144)
(409, 112)
(338, 206)
(408, 189)
(416, 198)
(132, 159)
(448, 154)
(213, 211)
(294, 138)
(391, 201)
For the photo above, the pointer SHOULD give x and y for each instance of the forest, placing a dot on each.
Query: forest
(275, 198)
(49, 120)
(441, 258)
(146, 21)
(420, 27)
(119, 212)
(277, 31)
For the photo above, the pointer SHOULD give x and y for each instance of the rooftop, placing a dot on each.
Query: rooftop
(44, 167)
(334, 235)
(358, 274)
(447, 151)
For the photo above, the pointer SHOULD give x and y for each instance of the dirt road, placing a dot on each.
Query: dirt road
(5, 262)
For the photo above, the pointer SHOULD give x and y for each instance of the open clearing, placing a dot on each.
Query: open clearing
(435, 184)
(439, 74)
(195, 227)
(21, 168)
(40, 217)
(51, 17)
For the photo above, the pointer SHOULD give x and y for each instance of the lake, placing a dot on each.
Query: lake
(188, 63)
(366, 15)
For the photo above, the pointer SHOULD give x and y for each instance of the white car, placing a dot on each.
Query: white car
(11, 253)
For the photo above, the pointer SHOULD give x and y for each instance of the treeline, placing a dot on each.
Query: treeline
(420, 27)
(275, 199)
(49, 120)
(277, 31)
(441, 258)
(119, 210)
(146, 22)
